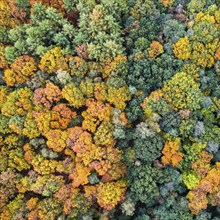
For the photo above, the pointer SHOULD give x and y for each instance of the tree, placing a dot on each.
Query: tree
(183, 92)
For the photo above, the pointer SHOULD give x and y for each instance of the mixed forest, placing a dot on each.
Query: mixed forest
(109, 109)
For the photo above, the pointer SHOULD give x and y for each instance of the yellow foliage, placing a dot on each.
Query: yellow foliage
(202, 50)
(100, 91)
(192, 70)
(3, 95)
(155, 96)
(87, 88)
(42, 117)
(53, 60)
(182, 48)
(92, 153)
(6, 17)
(118, 96)
(202, 165)
(3, 60)
(104, 134)
(73, 95)
(89, 123)
(18, 102)
(201, 16)
(110, 194)
(183, 92)
(44, 166)
(10, 77)
(203, 55)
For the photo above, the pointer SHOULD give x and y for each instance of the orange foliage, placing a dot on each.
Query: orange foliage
(202, 165)
(63, 195)
(90, 192)
(56, 139)
(73, 135)
(32, 203)
(101, 167)
(100, 91)
(95, 113)
(83, 141)
(32, 215)
(206, 191)
(47, 95)
(17, 12)
(23, 68)
(80, 175)
(58, 4)
(217, 53)
(61, 116)
(98, 109)
(24, 65)
(156, 48)
(112, 65)
(167, 3)
(171, 154)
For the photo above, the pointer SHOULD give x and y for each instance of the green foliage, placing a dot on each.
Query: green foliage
(24, 4)
(148, 149)
(95, 29)
(172, 208)
(17, 161)
(173, 30)
(170, 123)
(149, 76)
(47, 28)
(4, 126)
(144, 183)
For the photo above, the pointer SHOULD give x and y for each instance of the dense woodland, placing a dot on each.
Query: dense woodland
(109, 109)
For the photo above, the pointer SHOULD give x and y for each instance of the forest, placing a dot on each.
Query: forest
(109, 109)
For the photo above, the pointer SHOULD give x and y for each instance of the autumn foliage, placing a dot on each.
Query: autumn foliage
(109, 110)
